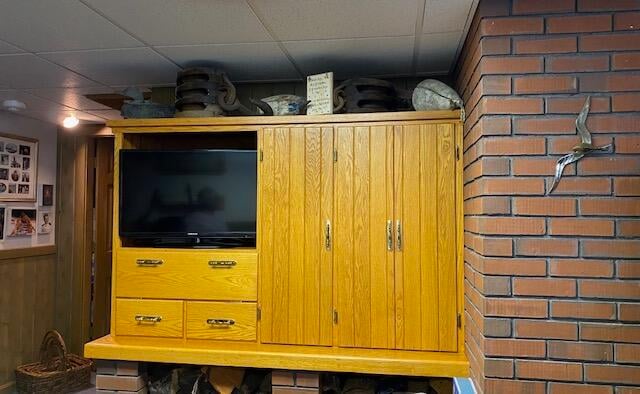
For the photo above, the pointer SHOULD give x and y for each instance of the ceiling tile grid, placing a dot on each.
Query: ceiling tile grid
(293, 20)
(243, 62)
(57, 51)
(354, 57)
(129, 66)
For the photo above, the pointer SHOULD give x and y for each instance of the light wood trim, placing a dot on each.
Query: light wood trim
(281, 120)
(178, 128)
(459, 203)
(254, 355)
(28, 252)
(118, 144)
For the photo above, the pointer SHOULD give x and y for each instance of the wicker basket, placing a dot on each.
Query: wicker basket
(57, 371)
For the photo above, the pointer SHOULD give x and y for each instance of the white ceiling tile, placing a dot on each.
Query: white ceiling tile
(242, 62)
(437, 51)
(32, 102)
(131, 66)
(6, 48)
(357, 57)
(56, 117)
(106, 114)
(173, 22)
(29, 71)
(73, 97)
(312, 19)
(37, 25)
(444, 16)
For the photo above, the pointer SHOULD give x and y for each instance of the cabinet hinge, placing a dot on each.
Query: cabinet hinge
(261, 155)
(457, 153)
(335, 316)
(258, 313)
(335, 155)
(459, 320)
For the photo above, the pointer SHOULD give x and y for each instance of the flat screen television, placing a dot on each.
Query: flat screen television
(188, 198)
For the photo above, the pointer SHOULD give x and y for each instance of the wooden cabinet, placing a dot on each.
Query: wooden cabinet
(358, 261)
(363, 252)
(424, 237)
(395, 246)
(296, 177)
(358, 236)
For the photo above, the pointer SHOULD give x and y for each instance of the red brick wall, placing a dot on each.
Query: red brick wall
(552, 282)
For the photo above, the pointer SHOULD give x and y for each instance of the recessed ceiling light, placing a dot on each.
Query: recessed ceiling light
(70, 122)
(14, 105)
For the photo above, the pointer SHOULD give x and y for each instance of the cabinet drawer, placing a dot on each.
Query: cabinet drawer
(221, 320)
(187, 274)
(150, 318)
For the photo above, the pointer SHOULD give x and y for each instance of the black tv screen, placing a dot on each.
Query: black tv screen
(194, 194)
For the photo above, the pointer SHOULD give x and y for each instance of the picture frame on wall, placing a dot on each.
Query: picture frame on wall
(45, 221)
(46, 195)
(18, 167)
(22, 222)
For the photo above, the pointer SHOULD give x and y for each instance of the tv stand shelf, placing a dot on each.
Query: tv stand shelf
(254, 355)
(358, 258)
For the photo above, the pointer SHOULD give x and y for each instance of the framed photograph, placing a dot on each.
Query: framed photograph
(18, 168)
(45, 222)
(47, 195)
(22, 222)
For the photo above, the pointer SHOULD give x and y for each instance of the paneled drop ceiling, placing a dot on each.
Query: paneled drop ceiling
(54, 52)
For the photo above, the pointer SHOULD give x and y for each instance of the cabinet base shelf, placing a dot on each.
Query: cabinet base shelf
(254, 355)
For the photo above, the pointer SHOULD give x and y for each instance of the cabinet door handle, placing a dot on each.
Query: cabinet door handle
(148, 319)
(149, 262)
(398, 235)
(222, 263)
(221, 322)
(327, 235)
(389, 235)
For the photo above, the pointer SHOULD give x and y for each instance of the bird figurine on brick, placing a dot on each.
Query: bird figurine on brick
(579, 151)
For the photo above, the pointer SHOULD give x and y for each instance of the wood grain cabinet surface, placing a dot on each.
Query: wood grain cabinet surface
(221, 320)
(149, 318)
(187, 274)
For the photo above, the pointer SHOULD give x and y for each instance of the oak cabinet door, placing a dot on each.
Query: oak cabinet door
(296, 177)
(425, 232)
(363, 249)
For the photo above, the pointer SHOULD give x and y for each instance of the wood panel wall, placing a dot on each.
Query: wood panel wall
(74, 237)
(27, 310)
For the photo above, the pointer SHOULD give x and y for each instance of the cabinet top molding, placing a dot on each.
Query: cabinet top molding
(286, 120)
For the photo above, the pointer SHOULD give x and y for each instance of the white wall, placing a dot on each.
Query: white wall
(46, 134)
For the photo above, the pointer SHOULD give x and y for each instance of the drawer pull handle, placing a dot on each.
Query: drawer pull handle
(222, 263)
(221, 322)
(148, 319)
(149, 262)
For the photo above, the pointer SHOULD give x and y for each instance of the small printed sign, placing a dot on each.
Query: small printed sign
(320, 94)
